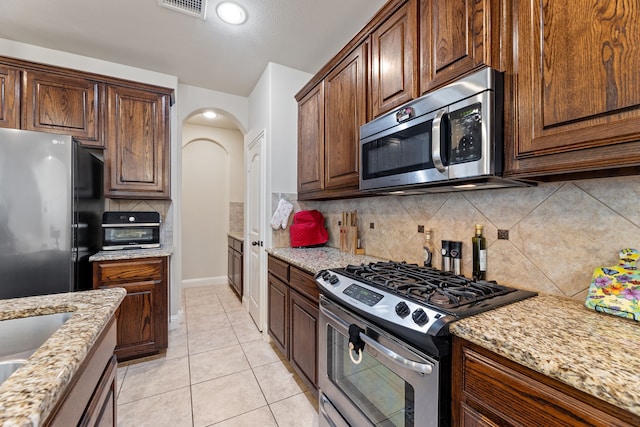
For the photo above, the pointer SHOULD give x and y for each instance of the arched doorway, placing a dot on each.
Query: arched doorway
(212, 193)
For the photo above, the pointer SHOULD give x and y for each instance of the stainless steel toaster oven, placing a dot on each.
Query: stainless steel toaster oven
(130, 230)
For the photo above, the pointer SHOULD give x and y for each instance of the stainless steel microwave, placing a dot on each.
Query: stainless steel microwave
(449, 139)
(130, 230)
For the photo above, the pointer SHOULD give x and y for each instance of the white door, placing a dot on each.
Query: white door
(254, 245)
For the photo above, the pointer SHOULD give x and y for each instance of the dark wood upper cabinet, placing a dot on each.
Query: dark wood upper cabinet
(456, 37)
(311, 140)
(345, 91)
(576, 87)
(9, 97)
(137, 134)
(64, 105)
(394, 65)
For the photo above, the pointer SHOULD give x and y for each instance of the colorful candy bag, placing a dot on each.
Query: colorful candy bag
(616, 290)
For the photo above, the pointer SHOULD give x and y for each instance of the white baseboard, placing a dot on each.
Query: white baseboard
(176, 319)
(205, 281)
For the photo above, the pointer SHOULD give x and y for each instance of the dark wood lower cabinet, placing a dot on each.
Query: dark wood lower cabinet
(90, 398)
(235, 265)
(304, 338)
(279, 314)
(143, 314)
(293, 318)
(490, 390)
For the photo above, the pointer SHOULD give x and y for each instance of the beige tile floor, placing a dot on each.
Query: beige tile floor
(218, 371)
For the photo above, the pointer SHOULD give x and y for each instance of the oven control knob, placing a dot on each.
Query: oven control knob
(420, 317)
(402, 309)
(325, 275)
(333, 279)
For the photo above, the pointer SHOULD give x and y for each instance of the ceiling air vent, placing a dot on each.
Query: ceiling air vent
(190, 7)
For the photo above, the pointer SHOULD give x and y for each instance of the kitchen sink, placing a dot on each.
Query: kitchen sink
(8, 367)
(20, 338)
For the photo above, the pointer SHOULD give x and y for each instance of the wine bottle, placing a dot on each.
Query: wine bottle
(479, 245)
(428, 248)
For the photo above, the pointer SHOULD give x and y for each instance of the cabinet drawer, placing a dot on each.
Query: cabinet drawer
(119, 271)
(279, 268)
(304, 283)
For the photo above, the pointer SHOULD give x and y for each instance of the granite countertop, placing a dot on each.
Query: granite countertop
(236, 235)
(29, 395)
(131, 254)
(596, 353)
(313, 260)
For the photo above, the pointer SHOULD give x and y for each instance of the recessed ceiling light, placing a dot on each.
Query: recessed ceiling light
(231, 13)
(210, 114)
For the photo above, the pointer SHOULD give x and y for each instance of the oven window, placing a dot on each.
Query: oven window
(381, 395)
(405, 151)
(126, 234)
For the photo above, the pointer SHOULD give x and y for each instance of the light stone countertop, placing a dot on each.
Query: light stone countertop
(131, 254)
(29, 395)
(312, 260)
(596, 353)
(236, 235)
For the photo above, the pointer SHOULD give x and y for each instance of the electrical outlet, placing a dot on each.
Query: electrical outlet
(503, 234)
(372, 225)
(421, 229)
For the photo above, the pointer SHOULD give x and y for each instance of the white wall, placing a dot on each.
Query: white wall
(212, 176)
(272, 107)
(274, 111)
(194, 99)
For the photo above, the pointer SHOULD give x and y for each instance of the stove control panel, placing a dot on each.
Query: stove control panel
(377, 302)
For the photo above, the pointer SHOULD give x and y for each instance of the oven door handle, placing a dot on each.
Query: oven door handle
(423, 368)
(436, 139)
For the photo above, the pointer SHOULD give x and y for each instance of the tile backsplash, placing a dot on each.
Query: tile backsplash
(236, 217)
(558, 232)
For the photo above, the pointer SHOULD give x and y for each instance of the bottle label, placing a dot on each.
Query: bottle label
(427, 257)
(483, 260)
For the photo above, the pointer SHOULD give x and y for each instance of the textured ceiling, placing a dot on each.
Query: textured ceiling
(301, 34)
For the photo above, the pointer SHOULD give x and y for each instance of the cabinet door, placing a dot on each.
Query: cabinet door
(136, 320)
(279, 314)
(577, 87)
(394, 70)
(311, 141)
(64, 105)
(101, 411)
(304, 338)
(345, 104)
(230, 265)
(9, 97)
(237, 272)
(455, 37)
(137, 156)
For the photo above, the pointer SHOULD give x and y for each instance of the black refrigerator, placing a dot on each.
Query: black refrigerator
(51, 203)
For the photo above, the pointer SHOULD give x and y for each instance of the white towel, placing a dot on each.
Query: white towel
(281, 215)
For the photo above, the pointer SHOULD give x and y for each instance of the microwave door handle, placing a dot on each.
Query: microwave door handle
(436, 138)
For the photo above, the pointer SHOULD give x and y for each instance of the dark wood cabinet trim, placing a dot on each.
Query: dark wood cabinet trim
(498, 391)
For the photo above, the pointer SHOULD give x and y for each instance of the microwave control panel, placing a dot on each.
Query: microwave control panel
(466, 134)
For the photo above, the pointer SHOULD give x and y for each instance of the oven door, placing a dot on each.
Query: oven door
(125, 236)
(387, 384)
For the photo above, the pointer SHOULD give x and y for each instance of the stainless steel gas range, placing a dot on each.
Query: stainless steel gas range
(384, 341)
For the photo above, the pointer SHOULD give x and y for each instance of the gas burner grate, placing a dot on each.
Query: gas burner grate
(424, 284)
